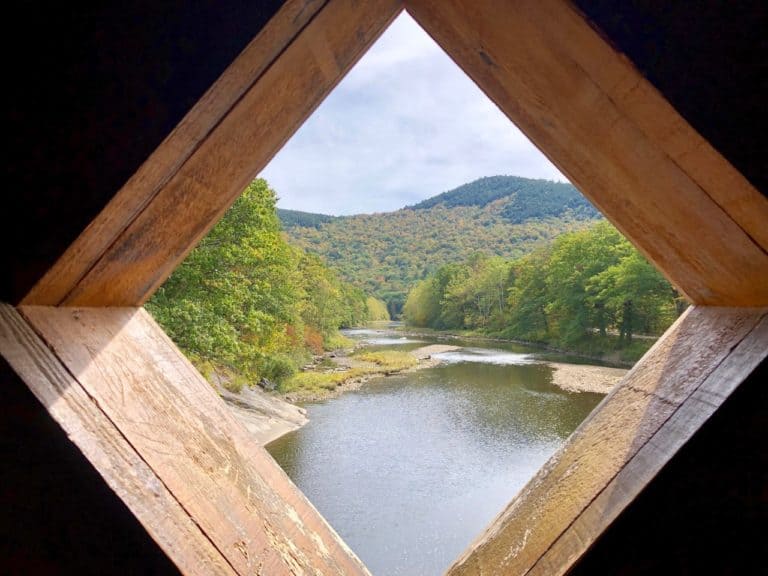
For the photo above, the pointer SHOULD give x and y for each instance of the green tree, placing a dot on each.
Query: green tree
(575, 292)
(576, 258)
(527, 297)
(235, 295)
(376, 309)
(637, 296)
(246, 301)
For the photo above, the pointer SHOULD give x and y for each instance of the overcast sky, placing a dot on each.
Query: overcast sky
(405, 124)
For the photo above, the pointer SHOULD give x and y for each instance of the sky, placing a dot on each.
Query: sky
(405, 124)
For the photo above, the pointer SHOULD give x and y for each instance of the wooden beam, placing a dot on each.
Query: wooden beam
(187, 185)
(176, 149)
(610, 131)
(122, 468)
(157, 402)
(623, 444)
(649, 460)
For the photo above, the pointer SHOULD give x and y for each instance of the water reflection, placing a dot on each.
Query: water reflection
(486, 356)
(411, 468)
(379, 336)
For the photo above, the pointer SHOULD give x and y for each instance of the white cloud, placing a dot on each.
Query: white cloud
(405, 124)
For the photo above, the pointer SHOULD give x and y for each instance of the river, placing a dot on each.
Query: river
(410, 468)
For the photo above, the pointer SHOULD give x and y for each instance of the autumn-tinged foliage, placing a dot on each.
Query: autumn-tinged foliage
(377, 309)
(385, 254)
(584, 286)
(248, 302)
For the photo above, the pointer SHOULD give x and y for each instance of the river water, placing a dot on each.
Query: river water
(411, 468)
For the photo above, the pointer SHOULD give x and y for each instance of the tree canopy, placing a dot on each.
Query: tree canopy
(585, 284)
(385, 254)
(247, 301)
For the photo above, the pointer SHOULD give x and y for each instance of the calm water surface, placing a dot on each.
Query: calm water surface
(410, 468)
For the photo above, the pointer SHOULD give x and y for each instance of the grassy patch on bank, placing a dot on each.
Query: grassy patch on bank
(337, 341)
(221, 375)
(388, 360)
(319, 382)
(312, 383)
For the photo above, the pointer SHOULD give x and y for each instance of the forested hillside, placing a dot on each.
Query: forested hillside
(526, 199)
(384, 254)
(575, 293)
(290, 218)
(248, 305)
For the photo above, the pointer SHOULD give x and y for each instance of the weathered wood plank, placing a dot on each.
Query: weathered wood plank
(655, 116)
(165, 162)
(607, 442)
(229, 485)
(111, 454)
(587, 108)
(222, 164)
(650, 459)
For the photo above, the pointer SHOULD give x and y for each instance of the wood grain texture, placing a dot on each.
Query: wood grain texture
(161, 166)
(228, 485)
(650, 459)
(622, 445)
(644, 105)
(218, 168)
(592, 113)
(107, 449)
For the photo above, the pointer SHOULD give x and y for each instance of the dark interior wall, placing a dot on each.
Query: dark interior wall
(93, 88)
(707, 511)
(57, 515)
(710, 60)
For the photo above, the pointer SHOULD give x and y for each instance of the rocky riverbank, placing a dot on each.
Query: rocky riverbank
(270, 415)
(266, 416)
(346, 370)
(586, 378)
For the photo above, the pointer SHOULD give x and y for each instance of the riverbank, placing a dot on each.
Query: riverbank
(268, 416)
(569, 377)
(586, 378)
(345, 370)
(348, 370)
(613, 358)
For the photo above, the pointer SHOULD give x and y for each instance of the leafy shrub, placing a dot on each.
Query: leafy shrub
(278, 368)
(234, 383)
(338, 341)
(313, 340)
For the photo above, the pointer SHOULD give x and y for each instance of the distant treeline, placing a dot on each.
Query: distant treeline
(584, 287)
(384, 254)
(290, 218)
(247, 304)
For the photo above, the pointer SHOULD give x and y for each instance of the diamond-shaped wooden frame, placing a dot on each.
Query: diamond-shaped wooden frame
(164, 442)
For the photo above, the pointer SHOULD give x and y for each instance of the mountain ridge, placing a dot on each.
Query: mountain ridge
(479, 192)
(385, 253)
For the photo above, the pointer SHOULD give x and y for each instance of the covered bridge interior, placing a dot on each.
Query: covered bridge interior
(135, 125)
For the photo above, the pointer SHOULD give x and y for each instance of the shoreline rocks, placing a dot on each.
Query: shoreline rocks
(585, 377)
